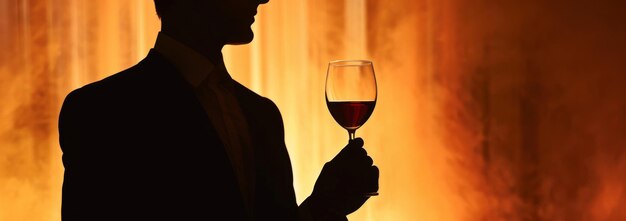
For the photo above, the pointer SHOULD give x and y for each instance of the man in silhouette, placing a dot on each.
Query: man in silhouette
(175, 138)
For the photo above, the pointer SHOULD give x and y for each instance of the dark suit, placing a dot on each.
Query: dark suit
(138, 145)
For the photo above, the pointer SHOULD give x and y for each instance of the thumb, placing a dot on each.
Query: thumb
(353, 148)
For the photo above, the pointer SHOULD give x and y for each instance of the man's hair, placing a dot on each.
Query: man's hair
(162, 6)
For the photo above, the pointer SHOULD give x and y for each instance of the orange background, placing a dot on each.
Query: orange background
(487, 110)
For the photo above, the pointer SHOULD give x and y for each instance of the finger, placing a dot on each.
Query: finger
(354, 150)
(351, 159)
(355, 147)
(369, 161)
(365, 180)
(361, 180)
(372, 179)
(361, 163)
(357, 142)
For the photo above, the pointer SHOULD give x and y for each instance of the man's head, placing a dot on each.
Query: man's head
(226, 21)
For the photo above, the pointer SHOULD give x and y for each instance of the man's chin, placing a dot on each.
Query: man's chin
(241, 39)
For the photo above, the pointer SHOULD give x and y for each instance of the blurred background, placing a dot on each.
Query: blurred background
(487, 110)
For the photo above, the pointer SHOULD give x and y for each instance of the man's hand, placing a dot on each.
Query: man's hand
(341, 187)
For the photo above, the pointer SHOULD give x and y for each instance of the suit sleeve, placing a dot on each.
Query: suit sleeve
(278, 167)
(78, 181)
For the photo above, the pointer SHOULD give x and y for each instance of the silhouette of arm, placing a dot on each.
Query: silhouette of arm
(84, 196)
(73, 136)
(280, 201)
(340, 186)
(323, 204)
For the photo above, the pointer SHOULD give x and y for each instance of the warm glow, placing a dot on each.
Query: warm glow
(507, 111)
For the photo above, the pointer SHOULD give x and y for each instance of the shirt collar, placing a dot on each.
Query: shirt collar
(194, 66)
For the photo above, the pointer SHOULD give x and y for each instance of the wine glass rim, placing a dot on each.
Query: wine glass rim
(351, 62)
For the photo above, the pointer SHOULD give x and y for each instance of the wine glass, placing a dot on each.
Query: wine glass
(351, 94)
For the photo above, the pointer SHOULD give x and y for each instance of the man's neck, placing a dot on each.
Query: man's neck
(205, 45)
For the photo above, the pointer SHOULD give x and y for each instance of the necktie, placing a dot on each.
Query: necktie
(222, 106)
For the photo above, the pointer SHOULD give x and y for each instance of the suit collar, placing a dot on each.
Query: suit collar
(193, 66)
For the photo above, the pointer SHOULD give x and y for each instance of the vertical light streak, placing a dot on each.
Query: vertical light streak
(24, 7)
(75, 12)
(140, 28)
(356, 36)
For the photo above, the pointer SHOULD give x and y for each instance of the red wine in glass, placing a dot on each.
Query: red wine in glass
(351, 114)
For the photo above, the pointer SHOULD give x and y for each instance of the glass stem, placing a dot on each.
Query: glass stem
(351, 134)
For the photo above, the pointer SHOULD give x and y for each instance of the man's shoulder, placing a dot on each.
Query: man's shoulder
(259, 109)
(252, 99)
(108, 85)
(129, 81)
